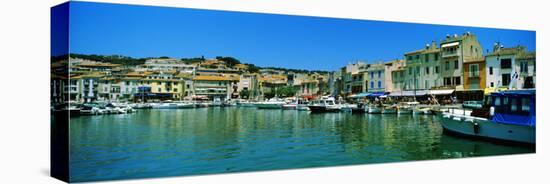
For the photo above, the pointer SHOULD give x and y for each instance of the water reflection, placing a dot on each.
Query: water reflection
(215, 140)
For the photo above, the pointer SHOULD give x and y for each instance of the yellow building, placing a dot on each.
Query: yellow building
(222, 87)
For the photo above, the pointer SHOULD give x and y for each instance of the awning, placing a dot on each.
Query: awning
(377, 94)
(408, 93)
(450, 44)
(360, 95)
(441, 92)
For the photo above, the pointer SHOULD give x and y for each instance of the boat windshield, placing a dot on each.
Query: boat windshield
(514, 107)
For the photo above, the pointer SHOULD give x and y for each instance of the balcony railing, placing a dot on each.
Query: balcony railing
(473, 74)
(449, 54)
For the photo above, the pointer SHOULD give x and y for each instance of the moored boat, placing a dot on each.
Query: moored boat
(373, 109)
(273, 103)
(325, 104)
(389, 110)
(511, 117)
(404, 110)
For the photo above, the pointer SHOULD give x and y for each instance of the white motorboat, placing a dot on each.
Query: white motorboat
(373, 109)
(511, 117)
(273, 103)
(325, 104)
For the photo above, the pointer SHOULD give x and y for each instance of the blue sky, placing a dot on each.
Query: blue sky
(262, 39)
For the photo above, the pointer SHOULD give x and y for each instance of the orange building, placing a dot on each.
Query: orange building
(474, 74)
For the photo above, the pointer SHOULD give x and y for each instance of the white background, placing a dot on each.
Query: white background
(24, 90)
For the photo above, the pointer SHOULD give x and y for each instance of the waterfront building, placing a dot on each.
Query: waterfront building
(389, 72)
(215, 87)
(423, 70)
(118, 89)
(187, 83)
(86, 87)
(399, 78)
(503, 63)
(376, 78)
(59, 82)
(249, 84)
(455, 50)
(353, 78)
(164, 86)
(306, 88)
(474, 74)
(269, 84)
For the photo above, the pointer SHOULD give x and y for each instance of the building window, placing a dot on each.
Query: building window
(436, 56)
(457, 80)
(492, 84)
(505, 79)
(426, 84)
(437, 69)
(491, 70)
(379, 74)
(506, 63)
(447, 65)
(447, 81)
(379, 84)
(523, 66)
(371, 84)
(372, 75)
(417, 57)
(427, 70)
(426, 57)
(410, 71)
(456, 64)
(474, 70)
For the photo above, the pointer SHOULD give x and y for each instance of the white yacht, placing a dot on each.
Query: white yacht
(508, 116)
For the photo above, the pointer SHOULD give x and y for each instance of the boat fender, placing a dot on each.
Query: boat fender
(476, 128)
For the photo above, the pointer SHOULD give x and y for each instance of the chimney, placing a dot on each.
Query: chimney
(496, 47)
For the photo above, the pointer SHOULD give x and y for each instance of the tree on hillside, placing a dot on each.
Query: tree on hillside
(253, 68)
(229, 61)
(192, 60)
(286, 91)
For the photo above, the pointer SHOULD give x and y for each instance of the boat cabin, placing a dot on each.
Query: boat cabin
(513, 107)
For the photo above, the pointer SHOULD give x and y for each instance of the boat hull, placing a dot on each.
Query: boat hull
(317, 109)
(404, 111)
(289, 107)
(484, 128)
(269, 106)
(358, 110)
(374, 110)
(389, 111)
(302, 108)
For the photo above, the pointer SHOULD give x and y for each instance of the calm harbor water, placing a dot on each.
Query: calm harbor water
(154, 143)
